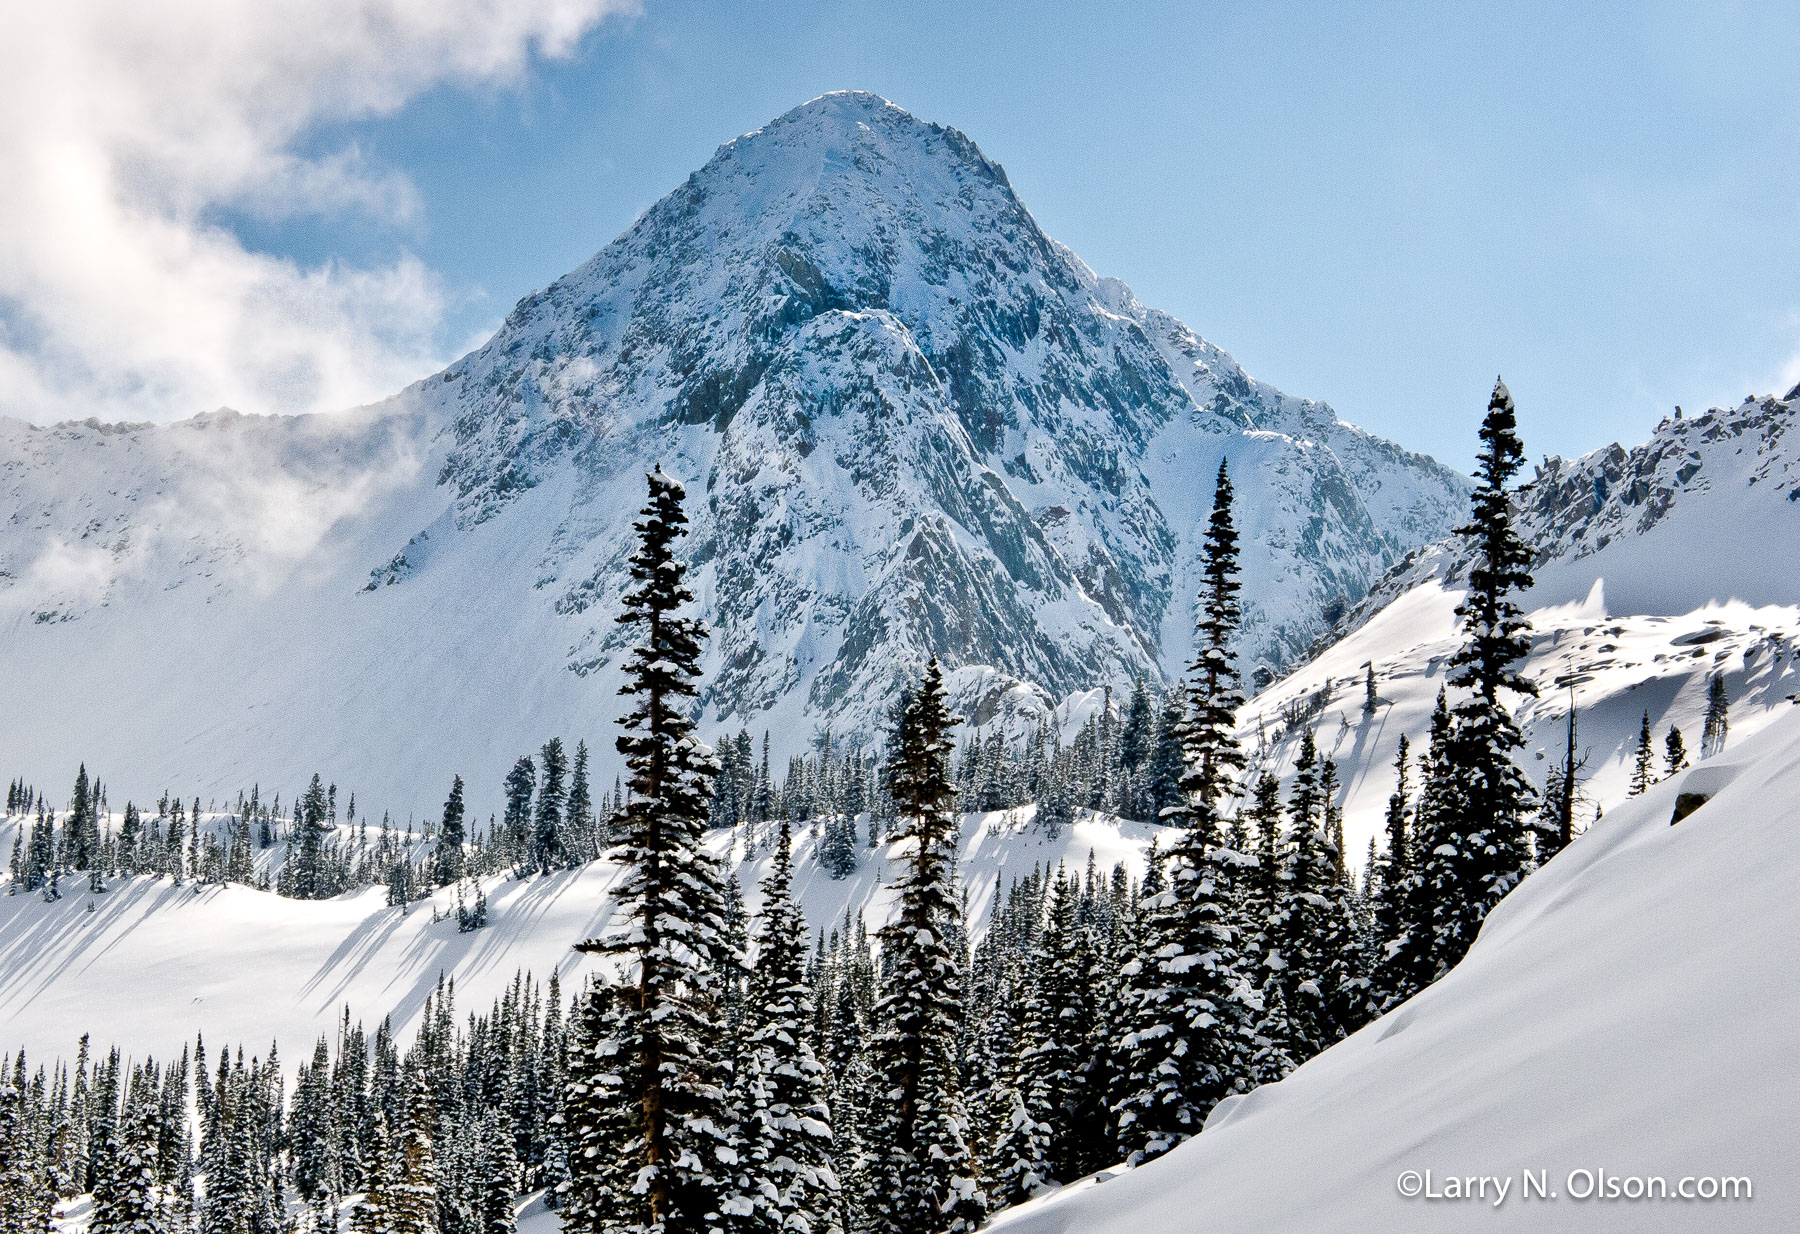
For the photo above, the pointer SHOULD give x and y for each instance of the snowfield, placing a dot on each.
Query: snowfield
(1629, 1009)
(154, 964)
(1619, 667)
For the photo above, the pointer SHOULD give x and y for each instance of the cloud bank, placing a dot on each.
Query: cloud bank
(125, 128)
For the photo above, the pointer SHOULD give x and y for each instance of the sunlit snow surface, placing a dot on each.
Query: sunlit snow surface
(153, 964)
(1630, 1008)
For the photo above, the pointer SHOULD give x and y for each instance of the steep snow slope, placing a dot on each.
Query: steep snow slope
(1696, 514)
(909, 422)
(1628, 1009)
(1656, 568)
(152, 964)
(1612, 669)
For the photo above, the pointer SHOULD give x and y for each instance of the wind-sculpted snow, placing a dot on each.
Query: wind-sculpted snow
(908, 421)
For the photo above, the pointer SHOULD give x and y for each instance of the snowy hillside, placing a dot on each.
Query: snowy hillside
(1619, 667)
(1627, 1010)
(1693, 515)
(909, 422)
(154, 963)
(1656, 569)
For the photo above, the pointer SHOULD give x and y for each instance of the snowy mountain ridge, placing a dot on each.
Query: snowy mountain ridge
(909, 422)
(1619, 514)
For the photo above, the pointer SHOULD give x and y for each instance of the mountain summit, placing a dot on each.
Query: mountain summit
(918, 424)
(909, 422)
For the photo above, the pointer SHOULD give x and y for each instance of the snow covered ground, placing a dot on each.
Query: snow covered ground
(153, 964)
(1619, 668)
(1629, 1009)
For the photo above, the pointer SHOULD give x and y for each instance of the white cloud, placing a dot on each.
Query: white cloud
(124, 126)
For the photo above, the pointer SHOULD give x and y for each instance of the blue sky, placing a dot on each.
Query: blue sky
(1380, 206)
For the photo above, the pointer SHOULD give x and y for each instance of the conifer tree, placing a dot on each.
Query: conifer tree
(1718, 717)
(1302, 928)
(1674, 752)
(665, 1020)
(1162, 777)
(548, 851)
(411, 1201)
(1477, 850)
(1643, 763)
(25, 1199)
(787, 1143)
(1412, 960)
(1393, 870)
(919, 1177)
(515, 822)
(1190, 1011)
(1059, 1016)
(598, 1125)
(126, 1199)
(580, 822)
(451, 835)
(311, 825)
(497, 1176)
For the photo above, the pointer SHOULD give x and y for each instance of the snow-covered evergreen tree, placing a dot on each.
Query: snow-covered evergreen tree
(1674, 752)
(1643, 762)
(411, 1200)
(786, 1142)
(661, 1036)
(128, 1199)
(1718, 717)
(918, 1173)
(1190, 1010)
(451, 835)
(548, 851)
(1477, 850)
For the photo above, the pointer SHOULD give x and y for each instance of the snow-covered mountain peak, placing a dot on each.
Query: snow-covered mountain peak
(908, 422)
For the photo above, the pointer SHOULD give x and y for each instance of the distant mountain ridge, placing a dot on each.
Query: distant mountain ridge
(1697, 513)
(909, 422)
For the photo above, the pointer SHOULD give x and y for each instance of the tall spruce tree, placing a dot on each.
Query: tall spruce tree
(548, 852)
(660, 1038)
(918, 1175)
(1191, 1012)
(1643, 763)
(1477, 850)
(515, 823)
(580, 821)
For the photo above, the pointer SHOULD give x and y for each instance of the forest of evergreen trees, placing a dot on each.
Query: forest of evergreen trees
(753, 1075)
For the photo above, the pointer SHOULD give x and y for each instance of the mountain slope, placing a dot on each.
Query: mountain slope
(1626, 1010)
(1656, 567)
(909, 422)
